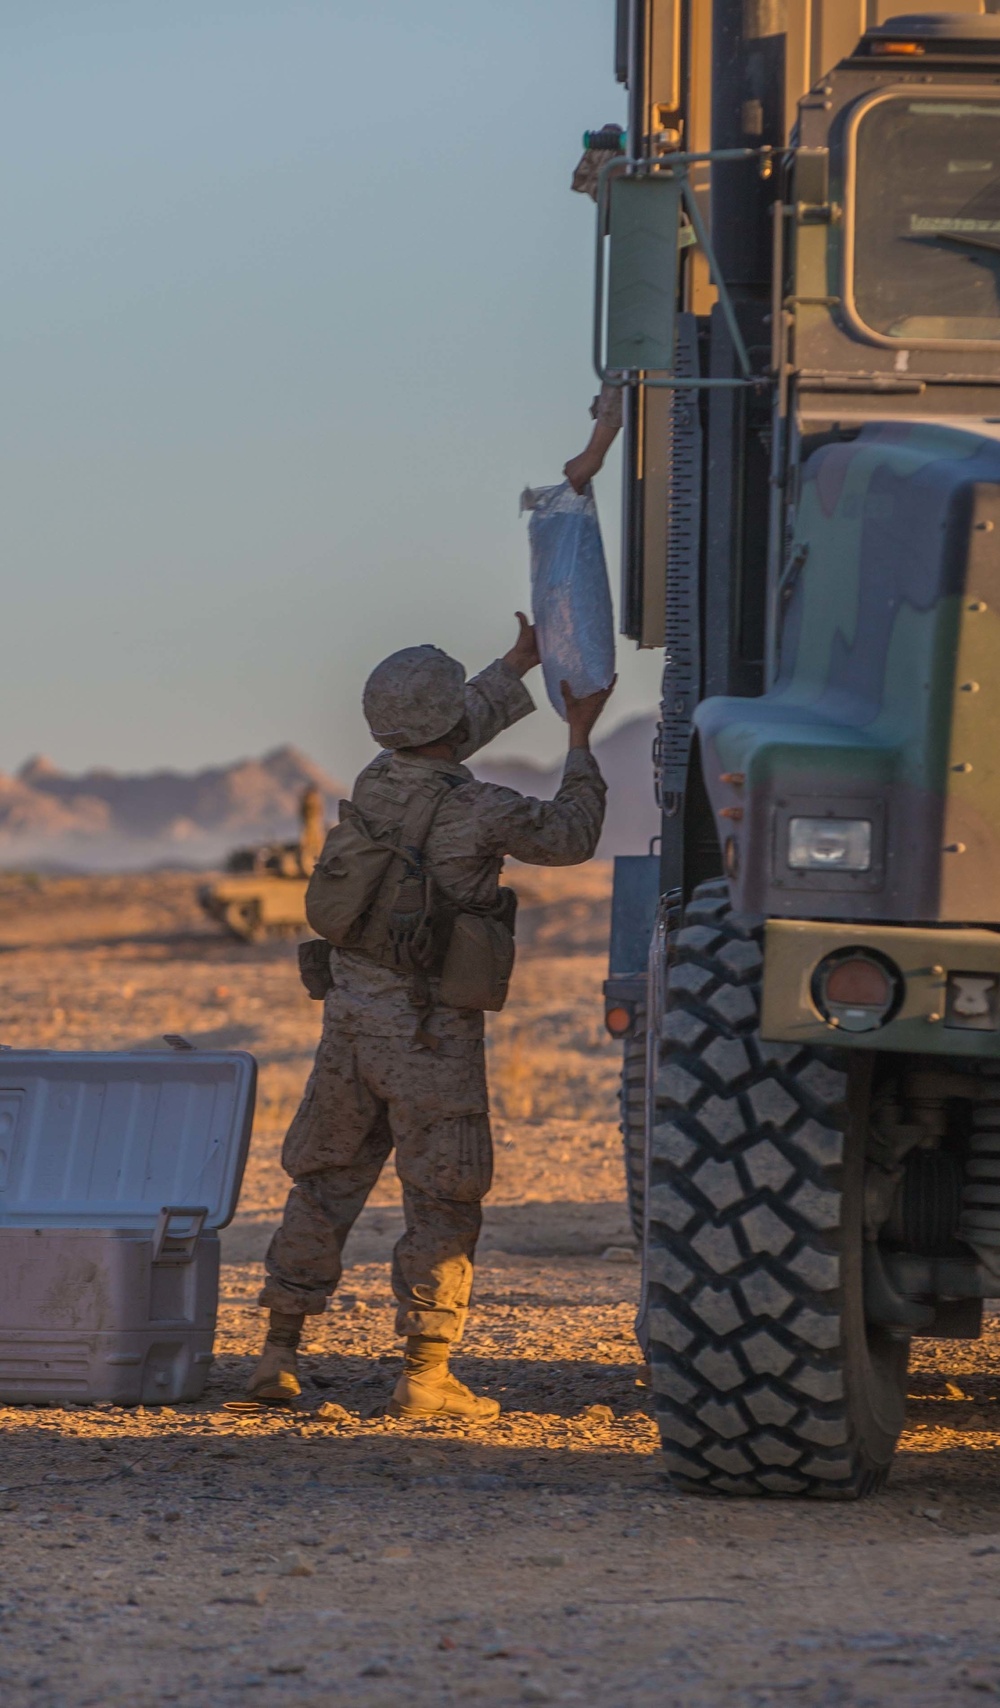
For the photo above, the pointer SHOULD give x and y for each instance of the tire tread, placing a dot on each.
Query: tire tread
(747, 1320)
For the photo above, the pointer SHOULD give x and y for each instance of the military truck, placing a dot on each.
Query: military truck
(263, 891)
(261, 894)
(807, 974)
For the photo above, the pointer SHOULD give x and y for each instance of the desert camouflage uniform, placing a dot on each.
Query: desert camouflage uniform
(372, 1087)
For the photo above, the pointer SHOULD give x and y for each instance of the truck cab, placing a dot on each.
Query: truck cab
(812, 533)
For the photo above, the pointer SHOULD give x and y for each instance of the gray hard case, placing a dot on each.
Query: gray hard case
(116, 1173)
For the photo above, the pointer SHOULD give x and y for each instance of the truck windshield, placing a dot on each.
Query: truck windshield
(927, 218)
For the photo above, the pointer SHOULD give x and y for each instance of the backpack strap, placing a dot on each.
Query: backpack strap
(406, 865)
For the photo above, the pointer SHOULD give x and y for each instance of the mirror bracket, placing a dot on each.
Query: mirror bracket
(656, 234)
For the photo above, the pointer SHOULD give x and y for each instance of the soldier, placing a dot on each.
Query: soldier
(606, 409)
(389, 1075)
(311, 816)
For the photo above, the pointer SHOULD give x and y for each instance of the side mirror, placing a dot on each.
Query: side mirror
(643, 246)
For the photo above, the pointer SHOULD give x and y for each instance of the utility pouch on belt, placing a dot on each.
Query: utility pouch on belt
(347, 877)
(480, 957)
(314, 967)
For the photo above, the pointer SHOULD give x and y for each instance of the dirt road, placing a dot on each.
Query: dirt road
(199, 1556)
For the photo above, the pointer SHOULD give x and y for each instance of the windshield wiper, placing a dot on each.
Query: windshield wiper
(993, 244)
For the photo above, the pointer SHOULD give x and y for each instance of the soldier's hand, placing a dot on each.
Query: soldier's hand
(582, 714)
(580, 471)
(523, 655)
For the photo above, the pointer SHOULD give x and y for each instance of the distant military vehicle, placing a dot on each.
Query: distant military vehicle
(811, 1096)
(263, 892)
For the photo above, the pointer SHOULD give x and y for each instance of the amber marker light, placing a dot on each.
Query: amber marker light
(859, 980)
(618, 1021)
(857, 990)
(898, 47)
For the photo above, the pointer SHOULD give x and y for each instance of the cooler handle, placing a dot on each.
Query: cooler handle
(183, 1241)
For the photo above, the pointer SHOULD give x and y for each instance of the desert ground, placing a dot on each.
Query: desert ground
(200, 1555)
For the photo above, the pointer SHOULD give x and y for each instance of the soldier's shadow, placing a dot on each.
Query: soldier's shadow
(558, 1388)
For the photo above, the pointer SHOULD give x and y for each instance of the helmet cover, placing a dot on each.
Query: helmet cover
(414, 696)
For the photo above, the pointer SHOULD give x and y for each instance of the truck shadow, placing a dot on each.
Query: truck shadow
(554, 1436)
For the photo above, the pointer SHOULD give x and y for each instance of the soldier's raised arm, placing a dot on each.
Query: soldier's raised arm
(566, 830)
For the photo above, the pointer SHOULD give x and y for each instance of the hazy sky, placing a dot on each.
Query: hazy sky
(295, 300)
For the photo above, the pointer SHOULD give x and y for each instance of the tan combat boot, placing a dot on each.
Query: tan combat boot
(276, 1378)
(427, 1387)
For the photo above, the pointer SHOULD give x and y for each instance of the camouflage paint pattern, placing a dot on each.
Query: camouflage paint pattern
(886, 704)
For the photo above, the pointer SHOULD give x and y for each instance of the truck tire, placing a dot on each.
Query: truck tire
(767, 1378)
(632, 1108)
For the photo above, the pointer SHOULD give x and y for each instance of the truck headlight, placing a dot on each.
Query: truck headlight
(830, 844)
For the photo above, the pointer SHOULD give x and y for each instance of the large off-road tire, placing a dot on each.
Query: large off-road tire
(767, 1378)
(632, 1108)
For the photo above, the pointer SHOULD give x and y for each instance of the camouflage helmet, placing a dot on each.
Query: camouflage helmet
(414, 696)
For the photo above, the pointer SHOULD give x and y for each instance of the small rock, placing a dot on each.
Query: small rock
(598, 1414)
(331, 1413)
(171, 1517)
(400, 1553)
(932, 1512)
(283, 1669)
(546, 1559)
(987, 1548)
(295, 1565)
(533, 1690)
(376, 1668)
(619, 1254)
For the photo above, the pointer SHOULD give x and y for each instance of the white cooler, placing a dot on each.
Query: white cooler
(116, 1172)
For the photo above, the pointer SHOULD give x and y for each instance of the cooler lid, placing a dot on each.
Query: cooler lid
(106, 1140)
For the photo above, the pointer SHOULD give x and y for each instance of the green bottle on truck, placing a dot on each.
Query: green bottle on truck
(806, 974)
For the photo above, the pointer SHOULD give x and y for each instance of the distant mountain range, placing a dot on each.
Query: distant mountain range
(104, 820)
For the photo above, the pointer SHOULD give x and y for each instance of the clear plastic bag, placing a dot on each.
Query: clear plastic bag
(570, 596)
